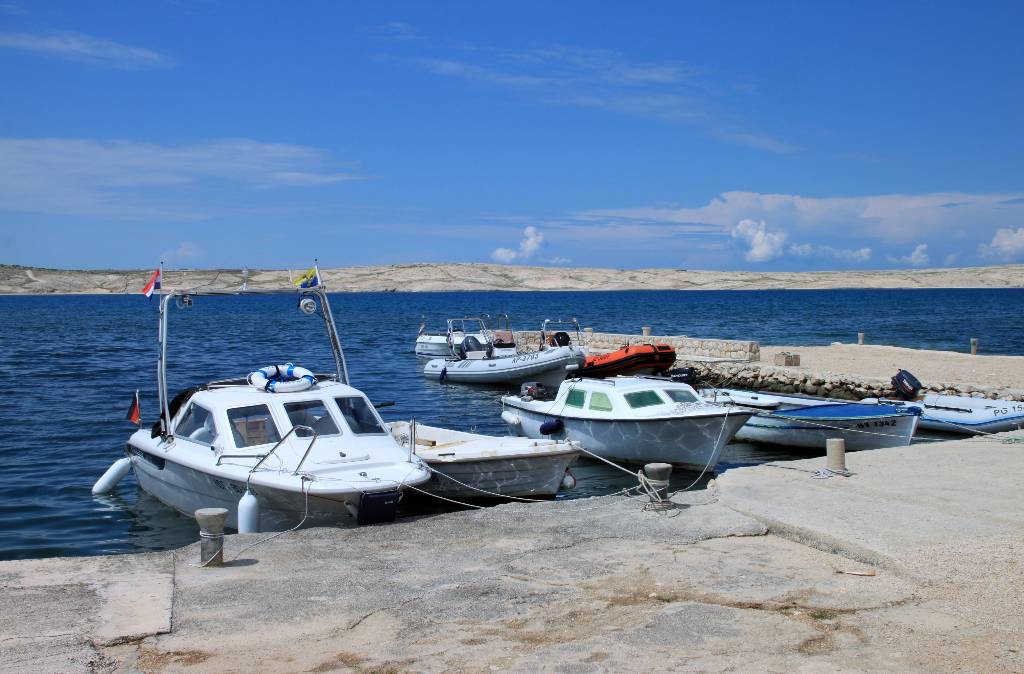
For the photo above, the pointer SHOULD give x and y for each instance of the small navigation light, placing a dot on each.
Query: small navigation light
(307, 305)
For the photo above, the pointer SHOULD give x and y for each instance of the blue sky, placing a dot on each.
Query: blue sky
(753, 135)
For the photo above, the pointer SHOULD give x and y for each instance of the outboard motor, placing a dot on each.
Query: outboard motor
(684, 375)
(906, 385)
(533, 389)
(471, 343)
(561, 339)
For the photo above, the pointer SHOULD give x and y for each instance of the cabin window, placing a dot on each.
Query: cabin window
(311, 413)
(576, 398)
(197, 424)
(359, 416)
(252, 426)
(678, 395)
(600, 402)
(643, 399)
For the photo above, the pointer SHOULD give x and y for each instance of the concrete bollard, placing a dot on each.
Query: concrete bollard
(646, 331)
(835, 448)
(658, 474)
(974, 346)
(211, 535)
(860, 337)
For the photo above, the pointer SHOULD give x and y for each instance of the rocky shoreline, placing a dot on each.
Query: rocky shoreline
(21, 280)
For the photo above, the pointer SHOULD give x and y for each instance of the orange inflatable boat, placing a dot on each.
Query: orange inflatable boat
(633, 359)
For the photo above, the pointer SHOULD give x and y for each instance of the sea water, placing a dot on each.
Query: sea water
(69, 366)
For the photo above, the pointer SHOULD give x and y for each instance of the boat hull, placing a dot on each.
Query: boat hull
(693, 443)
(186, 490)
(526, 476)
(546, 367)
(858, 434)
(968, 416)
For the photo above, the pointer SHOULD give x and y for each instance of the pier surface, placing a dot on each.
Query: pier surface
(760, 572)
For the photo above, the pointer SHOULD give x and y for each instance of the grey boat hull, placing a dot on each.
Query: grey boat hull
(525, 476)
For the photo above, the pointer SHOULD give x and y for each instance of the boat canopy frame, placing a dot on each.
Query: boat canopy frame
(318, 292)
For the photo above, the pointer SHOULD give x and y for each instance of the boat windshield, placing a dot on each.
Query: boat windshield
(678, 395)
(312, 413)
(252, 425)
(643, 399)
(197, 424)
(359, 417)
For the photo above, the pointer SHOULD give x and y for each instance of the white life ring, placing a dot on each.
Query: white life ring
(286, 378)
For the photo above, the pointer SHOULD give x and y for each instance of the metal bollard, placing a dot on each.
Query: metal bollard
(974, 346)
(835, 448)
(658, 474)
(646, 331)
(860, 337)
(211, 535)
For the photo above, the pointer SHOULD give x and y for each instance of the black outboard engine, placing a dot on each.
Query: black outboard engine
(470, 344)
(684, 375)
(562, 339)
(906, 385)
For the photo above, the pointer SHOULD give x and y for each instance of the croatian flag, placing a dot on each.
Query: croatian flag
(154, 284)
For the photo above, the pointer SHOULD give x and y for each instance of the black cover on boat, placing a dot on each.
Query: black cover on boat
(562, 339)
(906, 385)
(684, 375)
(377, 507)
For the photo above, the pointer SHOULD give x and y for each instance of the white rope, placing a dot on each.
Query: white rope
(305, 515)
(826, 473)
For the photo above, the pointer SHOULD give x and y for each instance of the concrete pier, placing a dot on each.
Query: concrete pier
(910, 564)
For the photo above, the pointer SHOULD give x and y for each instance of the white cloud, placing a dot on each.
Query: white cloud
(764, 245)
(604, 79)
(917, 258)
(185, 252)
(64, 176)
(951, 259)
(532, 240)
(1006, 244)
(889, 218)
(851, 255)
(87, 49)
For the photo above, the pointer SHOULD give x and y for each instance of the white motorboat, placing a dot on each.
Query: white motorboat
(629, 419)
(475, 363)
(469, 465)
(957, 414)
(277, 448)
(501, 340)
(799, 421)
(965, 415)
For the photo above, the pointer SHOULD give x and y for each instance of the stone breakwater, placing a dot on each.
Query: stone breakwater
(686, 347)
(826, 384)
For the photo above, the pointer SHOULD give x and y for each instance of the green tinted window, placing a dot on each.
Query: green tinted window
(681, 396)
(575, 398)
(599, 402)
(643, 399)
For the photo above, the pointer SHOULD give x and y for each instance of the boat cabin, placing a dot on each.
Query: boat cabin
(620, 398)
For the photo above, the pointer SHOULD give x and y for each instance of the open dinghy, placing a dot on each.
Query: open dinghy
(957, 414)
(469, 465)
(628, 419)
(476, 363)
(799, 421)
(276, 449)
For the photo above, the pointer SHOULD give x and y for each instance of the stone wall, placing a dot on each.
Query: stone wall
(686, 347)
(832, 385)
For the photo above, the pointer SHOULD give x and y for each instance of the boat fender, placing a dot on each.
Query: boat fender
(444, 374)
(112, 476)
(510, 418)
(248, 513)
(572, 367)
(287, 378)
(551, 426)
(568, 480)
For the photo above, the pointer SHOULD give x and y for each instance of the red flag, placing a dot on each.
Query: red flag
(153, 284)
(134, 413)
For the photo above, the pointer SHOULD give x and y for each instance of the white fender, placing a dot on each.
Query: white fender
(511, 418)
(114, 474)
(248, 513)
(286, 378)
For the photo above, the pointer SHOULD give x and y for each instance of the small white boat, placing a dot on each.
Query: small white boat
(278, 448)
(446, 344)
(468, 465)
(798, 421)
(966, 415)
(476, 363)
(629, 419)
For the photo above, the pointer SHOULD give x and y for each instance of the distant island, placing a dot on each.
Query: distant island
(20, 280)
